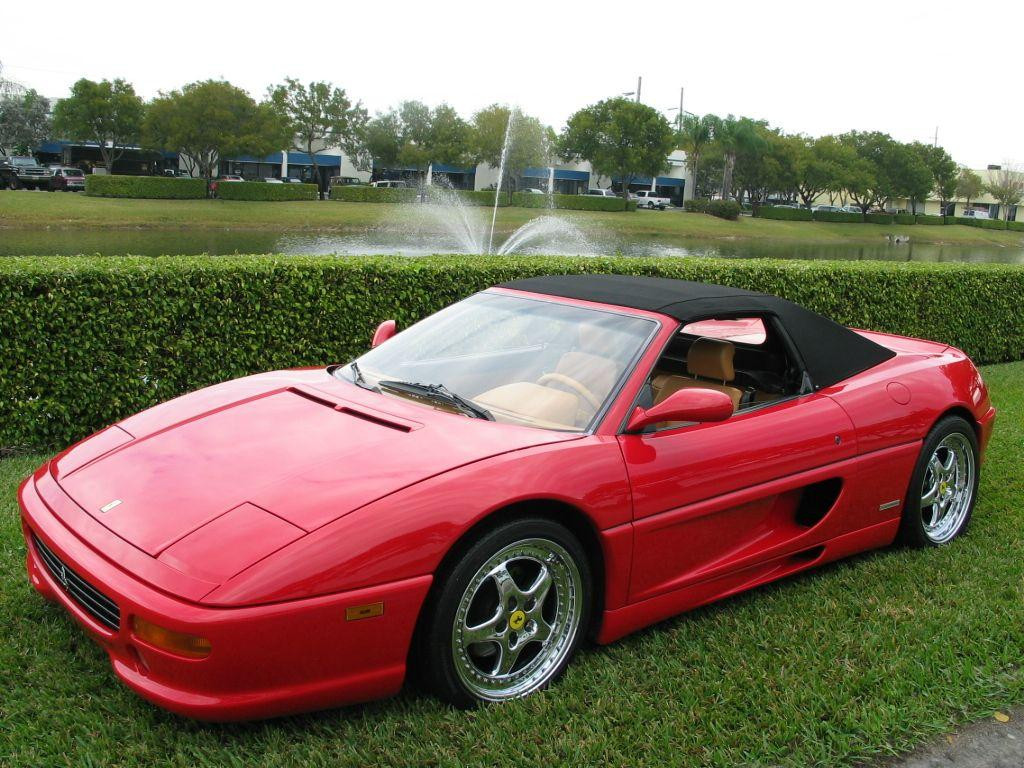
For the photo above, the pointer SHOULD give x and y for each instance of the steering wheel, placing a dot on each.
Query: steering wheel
(574, 385)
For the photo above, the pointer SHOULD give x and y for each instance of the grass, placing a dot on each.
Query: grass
(861, 659)
(35, 210)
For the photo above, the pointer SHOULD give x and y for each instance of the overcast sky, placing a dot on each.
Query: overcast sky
(809, 67)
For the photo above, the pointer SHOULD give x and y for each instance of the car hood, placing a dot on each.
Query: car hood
(264, 460)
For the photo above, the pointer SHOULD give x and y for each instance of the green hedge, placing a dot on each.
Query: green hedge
(839, 217)
(1016, 226)
(260, 190)
(986, 223)
(923, 219)
(878, 218)
(89, 340)
(784, 214)
(696, 205)
(162, 187)
(724, 209)
(364, 194)
(905, 218)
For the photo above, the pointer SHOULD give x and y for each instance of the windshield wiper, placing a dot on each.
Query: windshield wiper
(358, 379)
(438, 392)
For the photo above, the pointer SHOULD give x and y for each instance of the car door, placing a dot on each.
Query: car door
(718, 498)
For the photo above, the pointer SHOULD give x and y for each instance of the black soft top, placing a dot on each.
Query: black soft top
(831, 352)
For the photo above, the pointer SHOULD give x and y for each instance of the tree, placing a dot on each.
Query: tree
(735, 135)
(943, 170)
(1007, 186)
(693, 137)
(909, 175)
(969, 186)
(414, 135)
(24, 121)
(530, 142)
(764, 165)
(210, 120)
(821, 166)
(869, 180)
(619, 137)
(109, 113)
(318, 116)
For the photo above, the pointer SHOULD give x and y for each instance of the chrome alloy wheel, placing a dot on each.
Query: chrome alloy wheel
(517, 620)
(948, 488)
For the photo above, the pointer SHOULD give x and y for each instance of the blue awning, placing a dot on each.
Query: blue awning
(445, 168)
(294, 158)
(663, 181)
(543, 173)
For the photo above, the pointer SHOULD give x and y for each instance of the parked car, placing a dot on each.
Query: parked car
(827, 208)
(176, 173)
(391, 184)
(600, 193)
(975, 213)
(532, 191)
(67, 179)
(345, 181)
(476, 502)
(18, 172)
(291, 180)
(271, 180)
(647, 199)
(787, 205)
(850, 209)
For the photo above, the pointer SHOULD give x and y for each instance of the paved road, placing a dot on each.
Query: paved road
(988, 744)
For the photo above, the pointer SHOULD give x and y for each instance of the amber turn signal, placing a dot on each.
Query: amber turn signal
(181, 643)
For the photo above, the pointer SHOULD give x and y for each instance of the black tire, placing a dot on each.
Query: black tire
(13, 184)
(914, 531)
(434, 658)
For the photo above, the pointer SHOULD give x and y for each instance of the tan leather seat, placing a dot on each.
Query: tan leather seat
(587, 365)
(709, 364)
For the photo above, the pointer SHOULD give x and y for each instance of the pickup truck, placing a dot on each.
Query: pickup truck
(17, 172)
(645, 198)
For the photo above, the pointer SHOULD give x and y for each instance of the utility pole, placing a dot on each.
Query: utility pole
(935, 143)
(681, 113)
(639, 80)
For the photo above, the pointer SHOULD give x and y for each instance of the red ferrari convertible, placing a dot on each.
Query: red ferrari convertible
(552, 459)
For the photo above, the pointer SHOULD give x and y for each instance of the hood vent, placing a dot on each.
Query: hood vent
(374, 417)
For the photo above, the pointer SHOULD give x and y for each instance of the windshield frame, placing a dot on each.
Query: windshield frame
(344, 371)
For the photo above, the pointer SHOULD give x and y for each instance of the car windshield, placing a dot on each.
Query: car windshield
(22, 161)
(513, 359)
(72, 172)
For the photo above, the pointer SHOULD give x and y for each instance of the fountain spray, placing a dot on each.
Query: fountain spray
(501, 176)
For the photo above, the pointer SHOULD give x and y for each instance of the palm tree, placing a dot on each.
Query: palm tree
(734, 135)
(694, 135)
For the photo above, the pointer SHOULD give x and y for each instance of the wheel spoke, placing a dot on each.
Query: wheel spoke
(507, 587)
(930, 495)
(485, 631)
(543, 630)
(538, 591)
(507, 657)
(936, 467)
(950, 462)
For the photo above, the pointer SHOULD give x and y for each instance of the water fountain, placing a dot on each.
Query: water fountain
(467, 230)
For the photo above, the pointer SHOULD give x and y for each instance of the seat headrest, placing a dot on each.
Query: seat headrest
(711, 359)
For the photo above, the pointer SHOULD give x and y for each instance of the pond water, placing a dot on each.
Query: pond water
(219, 242)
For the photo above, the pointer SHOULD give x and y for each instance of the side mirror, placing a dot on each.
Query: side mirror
(696, 404)
(384, 332)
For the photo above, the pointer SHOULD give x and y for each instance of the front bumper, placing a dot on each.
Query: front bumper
(265, 660)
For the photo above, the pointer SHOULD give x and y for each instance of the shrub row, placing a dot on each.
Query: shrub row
(783, 214)
(89, 340)
(260, 190)
(839, 217)
(696, 205)
(723, 209)
(1016, 226)
(922, 219)
(366, 194)
(162, 187)
(905, 218)
(879, 218)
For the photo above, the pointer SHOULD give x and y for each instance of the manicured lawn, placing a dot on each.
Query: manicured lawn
(861, 659)
(59, 210)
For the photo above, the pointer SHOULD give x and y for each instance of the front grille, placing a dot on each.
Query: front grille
(94, 602)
